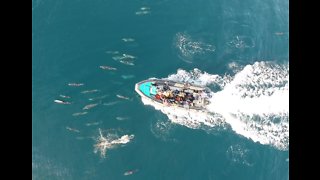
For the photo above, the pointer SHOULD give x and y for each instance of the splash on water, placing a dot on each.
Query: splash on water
(238, 154)
(189, 49)
(161, 128)
(110, 141)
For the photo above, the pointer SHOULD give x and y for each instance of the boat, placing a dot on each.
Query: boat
(176, 94)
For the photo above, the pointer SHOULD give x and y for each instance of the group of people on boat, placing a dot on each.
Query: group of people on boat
(175, 97)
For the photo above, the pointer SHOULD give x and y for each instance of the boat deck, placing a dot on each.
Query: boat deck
(171, 93)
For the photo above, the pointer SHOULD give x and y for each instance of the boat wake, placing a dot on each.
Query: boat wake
(254, 103)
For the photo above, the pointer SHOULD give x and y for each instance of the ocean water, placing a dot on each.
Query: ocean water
(90, 54)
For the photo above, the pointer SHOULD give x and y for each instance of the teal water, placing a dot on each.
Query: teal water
(71, 39)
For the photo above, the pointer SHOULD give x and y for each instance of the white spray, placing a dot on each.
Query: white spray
(254, 102)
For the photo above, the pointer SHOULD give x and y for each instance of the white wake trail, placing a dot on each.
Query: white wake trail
(254, 102)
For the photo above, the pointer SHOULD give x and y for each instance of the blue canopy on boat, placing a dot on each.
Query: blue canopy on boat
(148, 89)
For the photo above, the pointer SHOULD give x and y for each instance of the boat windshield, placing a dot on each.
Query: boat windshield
(153, 90)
